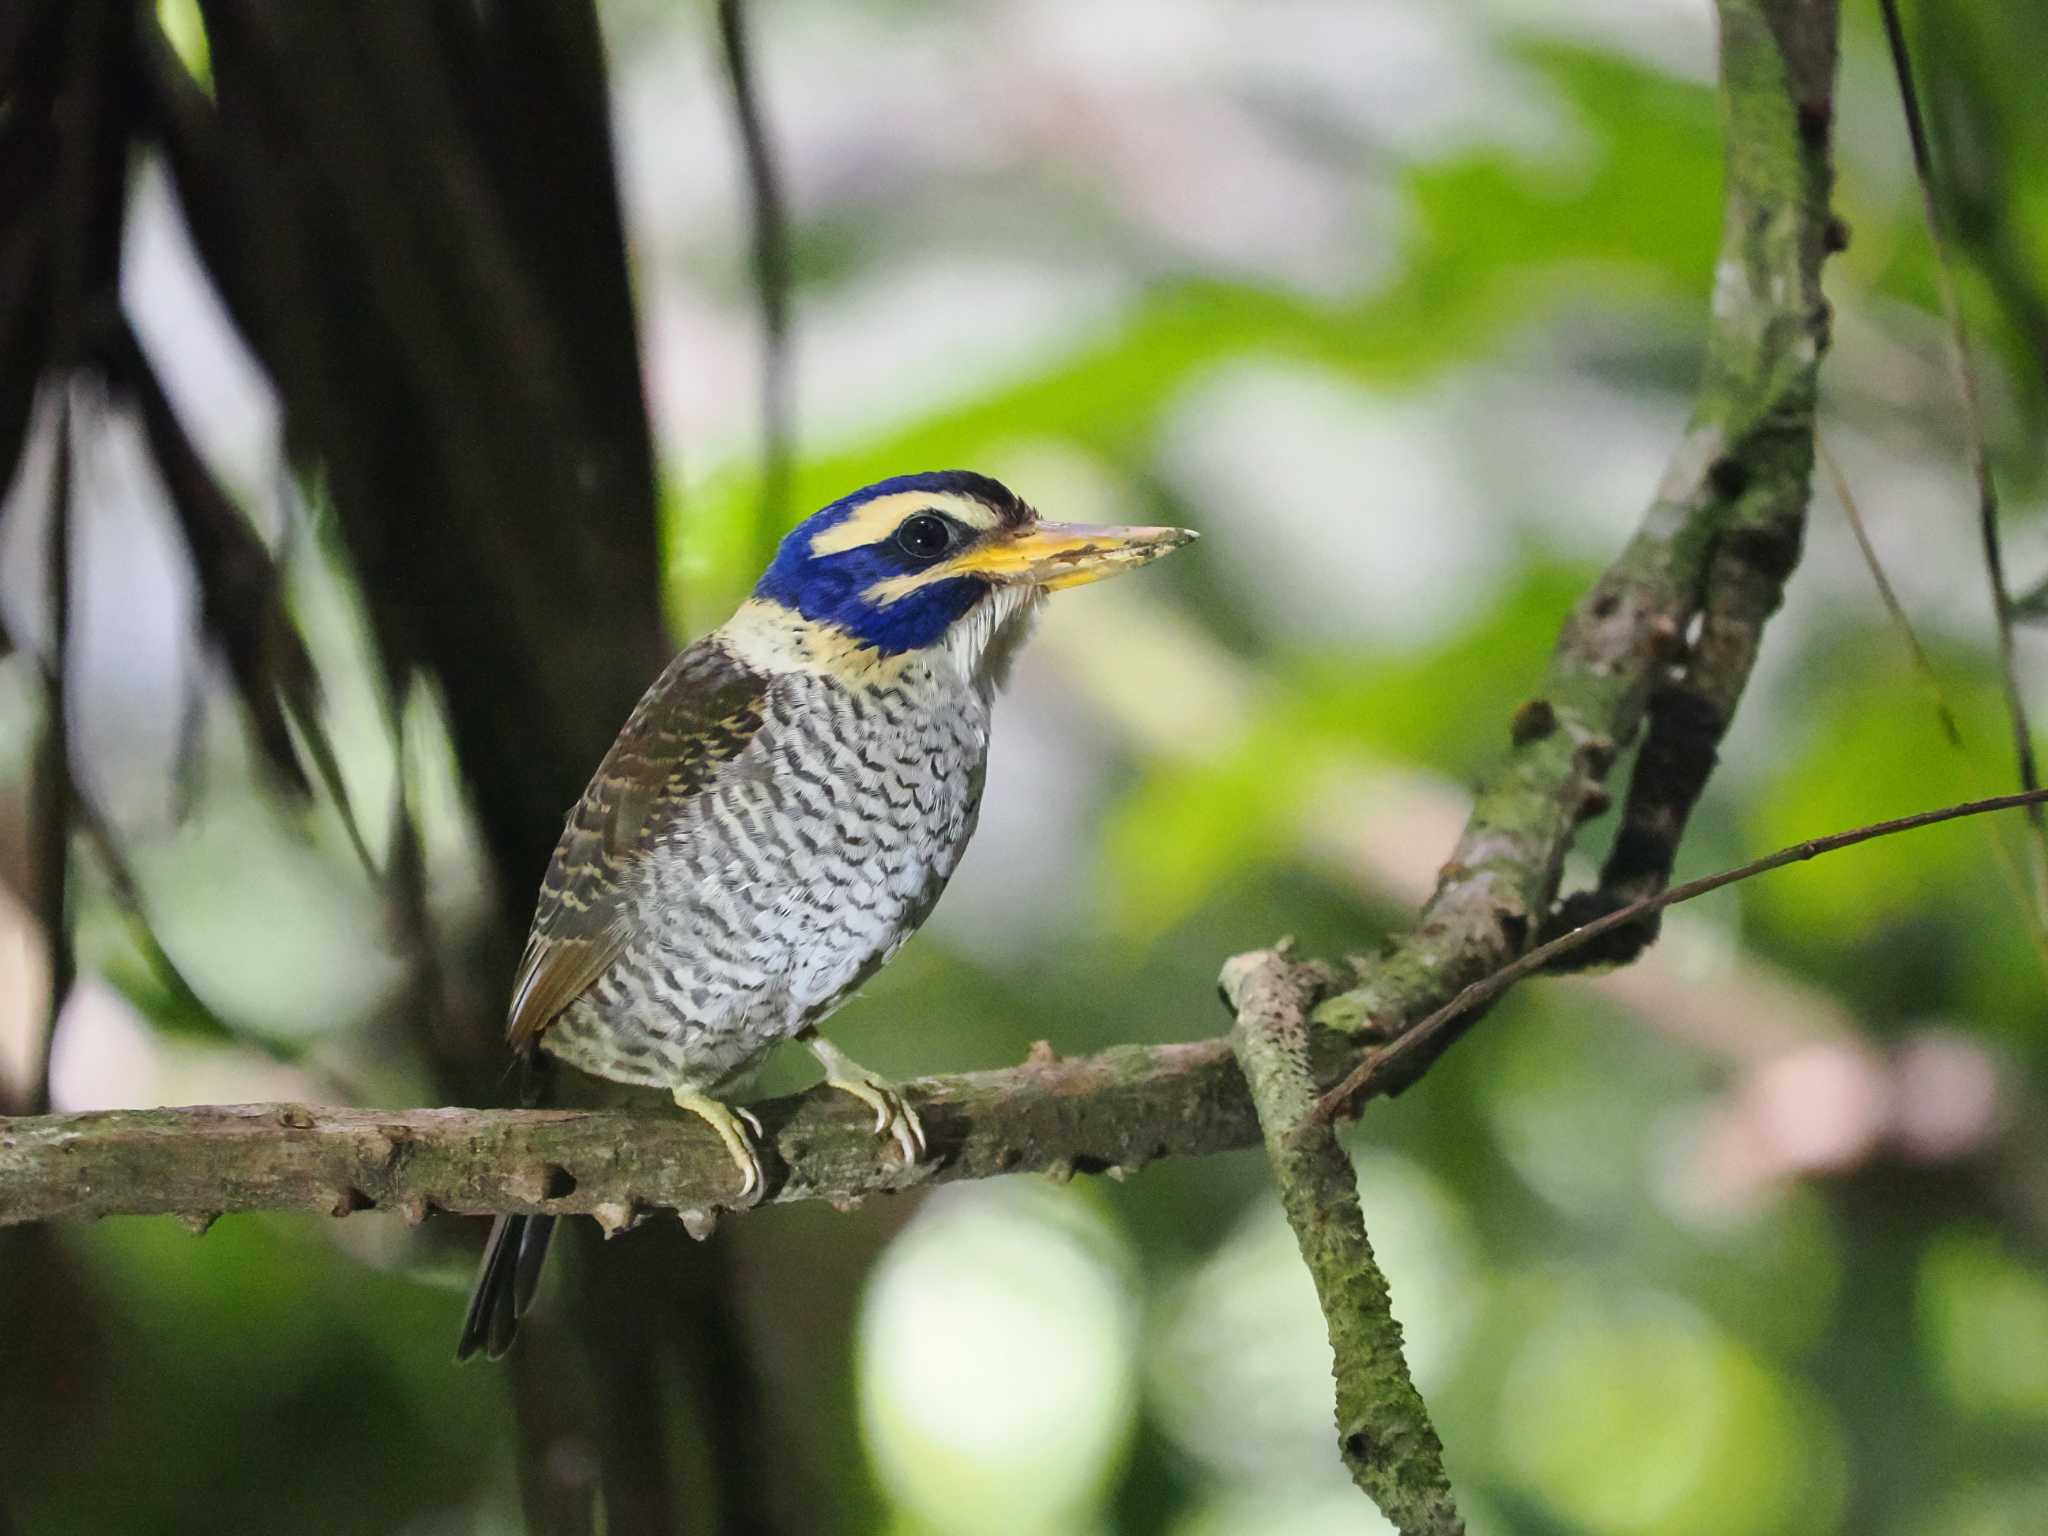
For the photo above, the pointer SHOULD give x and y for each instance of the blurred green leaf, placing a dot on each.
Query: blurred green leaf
(1984, 1321)
(1572, 226)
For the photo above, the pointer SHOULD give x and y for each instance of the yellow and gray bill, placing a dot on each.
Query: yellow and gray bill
(1058, 555)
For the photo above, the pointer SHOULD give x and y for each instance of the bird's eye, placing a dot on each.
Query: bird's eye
(924, 536)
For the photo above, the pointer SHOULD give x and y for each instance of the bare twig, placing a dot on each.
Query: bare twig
(1923, 664)
(50, 822)
(1944, 714)
(771, 274)
(1380, 1063)
(1974, 438)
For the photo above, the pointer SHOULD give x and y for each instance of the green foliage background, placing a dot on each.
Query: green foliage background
(1668, 1267)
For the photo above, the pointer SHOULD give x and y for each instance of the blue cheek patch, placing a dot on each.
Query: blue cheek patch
(827, 589)
(918, 620)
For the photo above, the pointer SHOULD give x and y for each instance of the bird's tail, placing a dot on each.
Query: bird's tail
(505, 1282)
(513, 1256)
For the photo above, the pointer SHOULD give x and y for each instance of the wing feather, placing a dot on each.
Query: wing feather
(700, 716)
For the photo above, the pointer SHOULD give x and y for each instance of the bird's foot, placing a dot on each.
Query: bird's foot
(893, 1115)
(739, 1130)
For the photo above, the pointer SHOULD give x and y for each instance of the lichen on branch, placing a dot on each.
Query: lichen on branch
(1383, 1428)
(1709, 560)
(1119, 1109)
(1669, 634)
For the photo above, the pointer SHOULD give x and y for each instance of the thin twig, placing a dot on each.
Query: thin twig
(51, 821)
(1974, 437)
(1944, 713)
(1483, 991)
(772, 276)
(125, 889)
(1923, 664)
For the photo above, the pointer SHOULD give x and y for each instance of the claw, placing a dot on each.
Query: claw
(726, 1120)
(893, 1115)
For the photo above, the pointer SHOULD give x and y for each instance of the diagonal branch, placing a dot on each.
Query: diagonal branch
(1711, 560)
(1712, 554)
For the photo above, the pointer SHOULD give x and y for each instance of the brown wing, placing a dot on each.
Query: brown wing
(700, 715)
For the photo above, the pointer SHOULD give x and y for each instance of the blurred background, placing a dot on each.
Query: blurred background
(375, 528)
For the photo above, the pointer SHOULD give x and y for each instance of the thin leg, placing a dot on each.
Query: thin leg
(734, 1126)
(893, 1116)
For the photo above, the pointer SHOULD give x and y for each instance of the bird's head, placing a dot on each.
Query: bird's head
(938, 560)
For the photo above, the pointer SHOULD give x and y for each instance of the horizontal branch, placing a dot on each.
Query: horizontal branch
(1118, 1110)
(1109, 1113)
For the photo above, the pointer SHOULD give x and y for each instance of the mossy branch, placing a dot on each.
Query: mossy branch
(1383, 1428)
(1709, 559)
(1669, 635)
(1120, 1109)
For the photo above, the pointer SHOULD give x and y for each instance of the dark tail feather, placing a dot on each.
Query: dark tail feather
(513, 1256)
(533, 1253)
(505, 1283)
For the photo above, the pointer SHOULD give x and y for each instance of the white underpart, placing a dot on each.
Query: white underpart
(983, 643)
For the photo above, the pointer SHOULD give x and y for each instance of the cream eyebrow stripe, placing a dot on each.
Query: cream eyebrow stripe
(877, 519)
(885, 592)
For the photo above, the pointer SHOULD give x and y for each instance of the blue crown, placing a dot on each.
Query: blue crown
(829, 588)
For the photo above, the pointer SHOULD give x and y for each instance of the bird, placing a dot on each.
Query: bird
(780, 813)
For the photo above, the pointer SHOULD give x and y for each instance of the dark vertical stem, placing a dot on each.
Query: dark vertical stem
(554, 1458)
(679, 1433)
(405, 895)
(1979, 457)
(745, 1465)
(771, 275)
(51, 821)
(620, 1324)
(77, 117)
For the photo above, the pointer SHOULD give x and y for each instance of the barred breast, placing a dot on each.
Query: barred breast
(775, 893)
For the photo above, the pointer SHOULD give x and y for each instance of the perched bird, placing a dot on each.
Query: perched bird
(781, 812)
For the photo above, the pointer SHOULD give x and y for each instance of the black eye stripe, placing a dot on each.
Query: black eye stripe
(926, 535)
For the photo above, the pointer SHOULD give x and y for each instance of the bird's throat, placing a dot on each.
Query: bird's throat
(770, 637)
